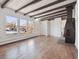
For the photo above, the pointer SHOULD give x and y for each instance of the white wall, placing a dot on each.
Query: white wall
(49, 28)
(37, 26)
(76, 23)
(55, 27)
(6, 38)
(63, 22)
(44, 27)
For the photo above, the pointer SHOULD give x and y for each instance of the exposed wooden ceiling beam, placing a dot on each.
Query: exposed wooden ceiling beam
(53, 3)
(35, 1)
(2, 6)
(47, 19)
(52, 18)
(51, 13)
(55, 8)
(58, 16)
(54, 15)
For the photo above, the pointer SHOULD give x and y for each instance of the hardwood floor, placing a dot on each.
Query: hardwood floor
(41, 47)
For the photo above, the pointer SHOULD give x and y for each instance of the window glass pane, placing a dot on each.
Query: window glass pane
(30, 26)
(23, 26)
(11, 24)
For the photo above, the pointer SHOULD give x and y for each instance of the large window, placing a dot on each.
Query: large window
(23, 26)
(30, 26)
(15, 25)
(11, 25)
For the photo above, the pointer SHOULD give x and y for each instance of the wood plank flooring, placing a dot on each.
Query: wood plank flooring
(41, 47)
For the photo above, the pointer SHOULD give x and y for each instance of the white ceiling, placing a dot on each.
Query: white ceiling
(49, 12)
(36, 5)
(52, 7)
(1, 1)
(16, 4)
